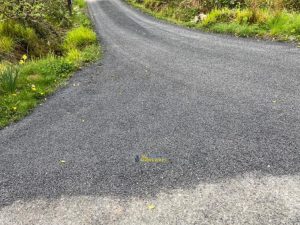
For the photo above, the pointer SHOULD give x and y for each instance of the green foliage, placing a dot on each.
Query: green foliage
(30, 84)
(8, 79)
(79, 38)
(41, 15)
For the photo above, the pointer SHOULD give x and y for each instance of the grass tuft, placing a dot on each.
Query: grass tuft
(79, 38)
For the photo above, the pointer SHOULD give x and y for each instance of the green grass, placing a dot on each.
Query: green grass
(24, 86)
(37, 79)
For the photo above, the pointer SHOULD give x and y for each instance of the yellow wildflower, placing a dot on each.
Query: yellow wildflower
(14, 108)
(21, 62)
(14, 94)
(33, 88)
(24, 57)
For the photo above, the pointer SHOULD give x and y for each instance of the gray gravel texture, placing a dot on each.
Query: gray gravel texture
(225, 111)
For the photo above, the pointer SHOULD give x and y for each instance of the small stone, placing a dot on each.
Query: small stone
(202, 16)
(196, 19)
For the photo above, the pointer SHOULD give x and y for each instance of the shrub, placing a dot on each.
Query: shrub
(292, 5)
(8, 79)
(41, 15)
(79, 38)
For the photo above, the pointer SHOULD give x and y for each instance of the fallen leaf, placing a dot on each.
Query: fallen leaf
(151, 206)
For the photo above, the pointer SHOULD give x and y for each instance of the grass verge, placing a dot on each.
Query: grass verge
(26, 84)
(280, 25)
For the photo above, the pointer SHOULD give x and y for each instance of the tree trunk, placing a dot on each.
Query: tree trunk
(70, 6)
